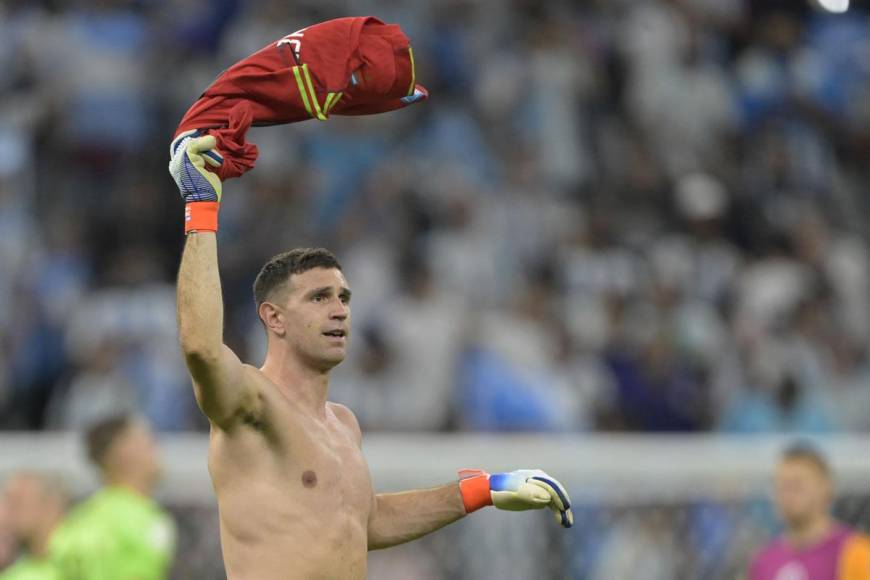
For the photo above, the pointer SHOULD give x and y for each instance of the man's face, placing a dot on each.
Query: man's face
(24, 498)
(137, 447)
(317, 316)
(802, 492)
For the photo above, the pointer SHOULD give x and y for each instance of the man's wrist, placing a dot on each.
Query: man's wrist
(474, 488)
(201, 216)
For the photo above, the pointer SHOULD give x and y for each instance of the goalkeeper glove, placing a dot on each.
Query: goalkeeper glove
(524, 489)
(200, 188)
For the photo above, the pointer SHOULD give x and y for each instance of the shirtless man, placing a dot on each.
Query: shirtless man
(293, 487)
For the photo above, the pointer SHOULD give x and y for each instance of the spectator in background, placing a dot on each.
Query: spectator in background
(677, 93)
(639, 543)
(409, 357)
(850, 386)
(814, 546)
(99, 76)
(698, 259)
(700, 163)
(119, 531)
(36, 505)
(7, 538)
(656, 392)
(98, 391)
(841, 261)
(776, 400)
(509, 378)
(122, 339)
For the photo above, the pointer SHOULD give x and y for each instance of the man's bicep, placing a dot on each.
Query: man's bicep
(223, 389)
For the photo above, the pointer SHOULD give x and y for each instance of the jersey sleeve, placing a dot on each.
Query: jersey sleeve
(855, 559)
(114, 537)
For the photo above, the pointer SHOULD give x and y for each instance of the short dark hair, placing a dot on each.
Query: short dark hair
(805, 451)
(100, 436)
(279, 268)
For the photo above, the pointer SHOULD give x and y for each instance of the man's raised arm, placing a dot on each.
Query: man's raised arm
(221, 389)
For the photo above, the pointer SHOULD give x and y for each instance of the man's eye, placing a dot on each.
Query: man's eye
(320, 298)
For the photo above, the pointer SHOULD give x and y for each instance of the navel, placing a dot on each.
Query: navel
(309, 478)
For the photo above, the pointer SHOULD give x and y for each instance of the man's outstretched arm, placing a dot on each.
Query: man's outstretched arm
(217, 372)
(397, 518)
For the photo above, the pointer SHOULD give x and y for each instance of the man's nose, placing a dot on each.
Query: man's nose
(339, 312)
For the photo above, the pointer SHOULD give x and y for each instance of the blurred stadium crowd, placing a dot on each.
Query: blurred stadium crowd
(638, 215)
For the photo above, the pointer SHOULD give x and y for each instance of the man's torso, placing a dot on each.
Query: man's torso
(842, 555)
(115, 534)
(294, 491)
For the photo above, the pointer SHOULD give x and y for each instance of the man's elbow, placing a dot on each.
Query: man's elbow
(375, 538)
(196, 340)
(377, 546)
(381, 530)
(377, 542)
(197, 345)
(200, 357)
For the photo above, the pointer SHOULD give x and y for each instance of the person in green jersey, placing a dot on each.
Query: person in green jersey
(120, 532)
(36, 504)
(7, 540)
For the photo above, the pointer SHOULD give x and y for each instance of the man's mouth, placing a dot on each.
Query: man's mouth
(338, 333)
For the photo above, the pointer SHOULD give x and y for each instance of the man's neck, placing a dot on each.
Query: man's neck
(303, 382)
(137, 485)
(811, 533)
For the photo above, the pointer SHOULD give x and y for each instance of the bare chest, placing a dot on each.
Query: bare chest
(294, 465)
(329, 467)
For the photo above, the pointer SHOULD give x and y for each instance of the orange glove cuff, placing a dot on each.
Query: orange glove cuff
(474, 487)
(201, 216)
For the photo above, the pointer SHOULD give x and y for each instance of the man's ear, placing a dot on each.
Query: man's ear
(273, 317)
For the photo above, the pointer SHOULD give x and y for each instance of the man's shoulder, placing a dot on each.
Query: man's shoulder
(83, 511)
(254, 375)
(116, 504)
(853, 533)
(346, 416)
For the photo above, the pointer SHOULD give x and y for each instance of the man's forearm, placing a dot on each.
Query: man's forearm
(200, 305)
(401, 517)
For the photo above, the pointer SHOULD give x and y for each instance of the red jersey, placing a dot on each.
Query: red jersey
(346, 66)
